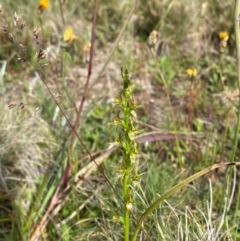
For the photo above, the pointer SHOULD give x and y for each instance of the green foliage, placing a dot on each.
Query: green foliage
(36, 146)
(166, 64)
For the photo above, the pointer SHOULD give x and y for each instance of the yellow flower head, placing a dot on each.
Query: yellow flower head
(192, 72)
(223, 35)
(43, 4)
(68, 35)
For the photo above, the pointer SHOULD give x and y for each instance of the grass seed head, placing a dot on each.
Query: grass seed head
(36, 36)
(23, 48)
(16, 18)
(22, 26)
(4, 28)
(40, 54)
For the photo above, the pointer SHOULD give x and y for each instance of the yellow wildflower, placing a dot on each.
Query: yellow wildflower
(43, 4)
(68, 35)
(192, 72)
(223, 35)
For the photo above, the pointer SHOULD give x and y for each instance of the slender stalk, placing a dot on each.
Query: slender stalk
(61, 10)
(237, 35)
(126, 199)
(88, 76)
(126, 178)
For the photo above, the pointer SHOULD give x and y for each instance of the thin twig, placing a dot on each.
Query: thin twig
(61, 10)
(88, 76)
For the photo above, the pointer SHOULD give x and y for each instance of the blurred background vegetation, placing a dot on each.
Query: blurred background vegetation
(182, 58)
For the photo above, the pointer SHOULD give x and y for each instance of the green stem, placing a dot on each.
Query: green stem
(237, 34)
(127, 170)
(40, 20)
(126, 200)
(61, 10)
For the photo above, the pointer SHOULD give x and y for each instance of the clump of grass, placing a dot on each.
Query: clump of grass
(32, 225)
(26, 142)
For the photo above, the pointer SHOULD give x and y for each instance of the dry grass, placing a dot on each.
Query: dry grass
(26, 151)
(188, 38)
